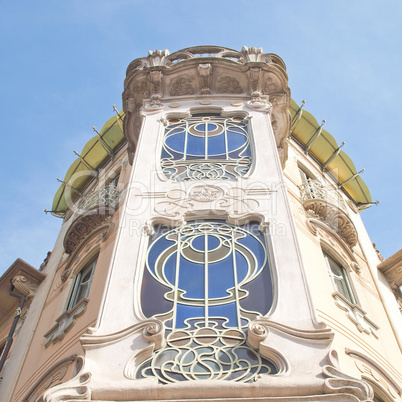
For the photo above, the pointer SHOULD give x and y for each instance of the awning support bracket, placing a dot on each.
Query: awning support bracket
(314, 138)
(351, 178)
(297, 116)
(104, 143)
(69, 186)
(332, 157)
(85, 162)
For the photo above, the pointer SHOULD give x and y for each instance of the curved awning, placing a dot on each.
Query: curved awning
(92, 156)
(326, 151)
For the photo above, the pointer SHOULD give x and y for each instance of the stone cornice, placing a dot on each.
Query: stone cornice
(392, 269)
(193, 73)
(25, 279)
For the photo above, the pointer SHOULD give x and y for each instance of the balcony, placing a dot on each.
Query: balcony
(327, 205)
(92, 210)
(103, 201)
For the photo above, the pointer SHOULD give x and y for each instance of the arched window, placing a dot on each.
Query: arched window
(206, 146)
(206, 280)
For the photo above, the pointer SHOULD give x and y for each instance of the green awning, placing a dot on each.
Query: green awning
(341, 167)
(94, 153)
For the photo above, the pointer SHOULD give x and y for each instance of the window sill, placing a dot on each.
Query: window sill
(65, 322)
(356, 314)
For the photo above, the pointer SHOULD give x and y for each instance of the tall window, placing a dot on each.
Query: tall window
(206, 146)
(206, 280)
(82, 283)
(310, 187)
(339, 278)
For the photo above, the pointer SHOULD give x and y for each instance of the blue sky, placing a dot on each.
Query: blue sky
(63, 65)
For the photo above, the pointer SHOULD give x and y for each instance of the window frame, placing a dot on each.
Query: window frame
(348, 292)
(75, 297)
(212, 113)
(266, 243)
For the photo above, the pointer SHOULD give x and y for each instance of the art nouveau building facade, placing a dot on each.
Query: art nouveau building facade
(214, 251)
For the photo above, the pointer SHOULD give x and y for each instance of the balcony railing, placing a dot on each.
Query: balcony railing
(104, 199)
(313, 189)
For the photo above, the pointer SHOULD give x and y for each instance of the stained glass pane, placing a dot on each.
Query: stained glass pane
(208, 279)
(206, 147)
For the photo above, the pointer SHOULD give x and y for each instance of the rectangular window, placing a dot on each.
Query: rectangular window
(309, 184)
(339, 278)
(82, 283)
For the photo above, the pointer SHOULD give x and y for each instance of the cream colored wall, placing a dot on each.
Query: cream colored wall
(385, 349)
(40, 358)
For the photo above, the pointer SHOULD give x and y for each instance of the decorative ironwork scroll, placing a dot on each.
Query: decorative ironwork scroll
(206, 280)
(206, 354)
(206, 147)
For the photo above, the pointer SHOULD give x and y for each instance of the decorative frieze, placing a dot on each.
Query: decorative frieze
(236, 202)
(229, 85)
(182, 85)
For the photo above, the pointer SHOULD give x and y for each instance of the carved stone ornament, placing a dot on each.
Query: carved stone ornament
(260, 329)
(205, 193)
(81, 228)
(65, 322)
(182, 85)
(334, 217)
(25, 286)
(249, 75)
(62, 371)
(338, 382)
(229, 85)
(374, 369)
(156, 90)
(118, 378)
(235, 202)
(75, 389)
(357, 315)
(204, 71)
